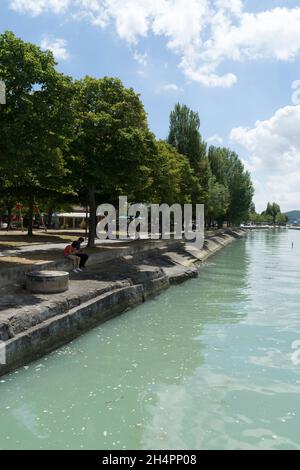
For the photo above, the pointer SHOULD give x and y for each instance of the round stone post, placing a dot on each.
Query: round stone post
(47, 282)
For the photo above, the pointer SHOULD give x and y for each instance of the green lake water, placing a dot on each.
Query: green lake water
(209, 364)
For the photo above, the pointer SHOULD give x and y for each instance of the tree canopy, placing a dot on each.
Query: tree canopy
(88, 141)
(35, 122)
(271, 216)
(113, 147)
(229, 171)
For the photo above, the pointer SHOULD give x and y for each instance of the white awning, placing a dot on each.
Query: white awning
(71, 215)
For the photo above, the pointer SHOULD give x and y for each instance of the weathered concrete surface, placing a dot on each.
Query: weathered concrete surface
(16, 273)
(32, 325)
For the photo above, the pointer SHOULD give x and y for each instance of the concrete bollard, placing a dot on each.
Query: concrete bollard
(47, 282)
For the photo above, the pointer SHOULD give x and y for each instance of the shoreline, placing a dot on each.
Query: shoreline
(34, 325)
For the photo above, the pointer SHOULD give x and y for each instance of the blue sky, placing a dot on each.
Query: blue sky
(233, 61)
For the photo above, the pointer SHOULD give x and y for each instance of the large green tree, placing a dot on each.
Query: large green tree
(184, 135)
(229, 171)
(281, 219)
(217, 202)
(113, 151)
(35, 123)
(274, 214)
(273, 210)
(173, 176)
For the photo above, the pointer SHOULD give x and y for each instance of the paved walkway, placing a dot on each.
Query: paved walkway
(48, 247)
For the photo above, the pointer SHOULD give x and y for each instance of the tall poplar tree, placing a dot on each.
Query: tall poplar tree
(184, 135)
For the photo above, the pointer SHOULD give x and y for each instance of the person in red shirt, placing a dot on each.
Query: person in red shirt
(71, 253)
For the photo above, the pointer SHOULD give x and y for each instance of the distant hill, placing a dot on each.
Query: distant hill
(294, 216)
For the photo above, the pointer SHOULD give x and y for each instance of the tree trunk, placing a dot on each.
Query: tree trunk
(92, 224)
(49, 218)
(30, 216)
(9, 217)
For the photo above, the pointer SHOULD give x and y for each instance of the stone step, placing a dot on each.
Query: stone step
(17, 274)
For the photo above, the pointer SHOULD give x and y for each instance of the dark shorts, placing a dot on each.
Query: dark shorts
(83, 259)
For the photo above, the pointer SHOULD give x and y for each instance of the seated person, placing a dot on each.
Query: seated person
(83, 256)
(71, 253)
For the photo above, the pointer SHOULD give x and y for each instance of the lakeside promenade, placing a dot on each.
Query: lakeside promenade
(120, 276)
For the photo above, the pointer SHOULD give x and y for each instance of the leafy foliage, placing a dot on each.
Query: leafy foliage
(35, 123)
(64, 142)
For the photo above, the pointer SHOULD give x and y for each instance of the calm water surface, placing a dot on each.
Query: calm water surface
(207, 365)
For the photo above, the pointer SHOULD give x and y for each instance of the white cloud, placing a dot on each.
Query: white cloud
(274, 148)
(141, 59)
(215, 139)
(281, 189)
(274, 144)
(235, 6)
(57, 45)
(36, 7)
(171, 87)
(204, 33)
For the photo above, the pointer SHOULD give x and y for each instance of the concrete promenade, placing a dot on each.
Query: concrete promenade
(118, 278)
